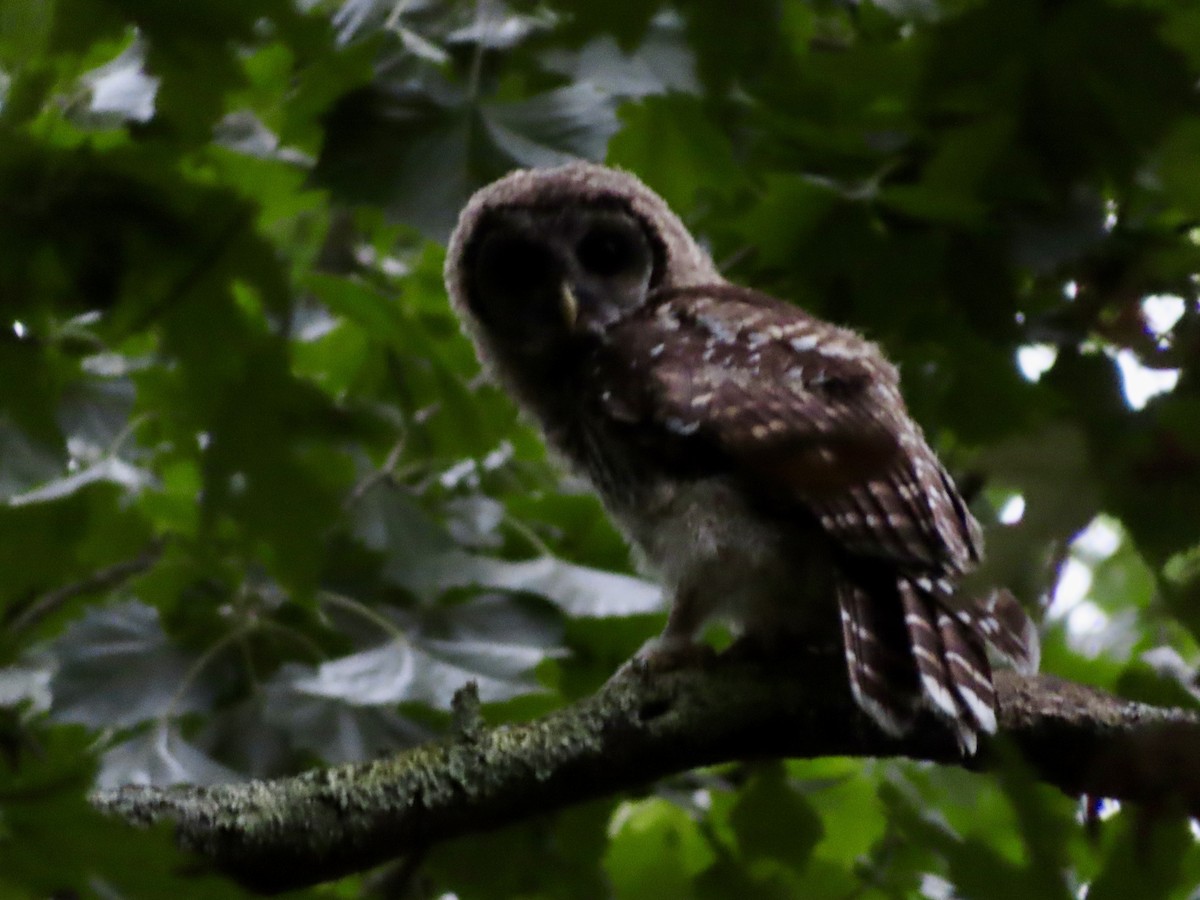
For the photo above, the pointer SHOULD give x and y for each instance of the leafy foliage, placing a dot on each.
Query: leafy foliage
(258, 511)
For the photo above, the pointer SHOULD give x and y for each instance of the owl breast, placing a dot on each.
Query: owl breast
(723, 559)
(718, 551)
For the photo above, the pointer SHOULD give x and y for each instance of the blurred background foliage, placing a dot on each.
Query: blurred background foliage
(258, 511)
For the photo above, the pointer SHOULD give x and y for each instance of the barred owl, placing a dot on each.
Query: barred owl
(761, 459)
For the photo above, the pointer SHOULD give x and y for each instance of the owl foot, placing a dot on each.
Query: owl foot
(663, 654)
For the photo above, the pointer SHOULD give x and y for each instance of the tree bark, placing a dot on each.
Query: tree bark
(290, 832)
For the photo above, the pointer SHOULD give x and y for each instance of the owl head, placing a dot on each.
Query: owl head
(542, 258)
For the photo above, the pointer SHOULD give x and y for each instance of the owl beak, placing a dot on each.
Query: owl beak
(569, 306)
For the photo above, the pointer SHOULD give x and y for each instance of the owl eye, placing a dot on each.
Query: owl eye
(606, 250)
(514, 264)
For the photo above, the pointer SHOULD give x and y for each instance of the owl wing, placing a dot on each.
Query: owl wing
(810, 416)
(808, 413)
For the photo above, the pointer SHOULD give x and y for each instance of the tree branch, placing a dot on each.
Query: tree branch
(106, 579)
(640, 727)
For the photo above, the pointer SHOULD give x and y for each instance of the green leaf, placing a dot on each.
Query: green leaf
(553, 128)
(565, 845)
(773, 820)
(160, 756)
(52, 843)
(675, 147)
(117, 668)
(331, 729)
(577, 590)
(655, 850)
(1145, 858)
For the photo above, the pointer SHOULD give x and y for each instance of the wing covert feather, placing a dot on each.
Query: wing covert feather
(808, 412)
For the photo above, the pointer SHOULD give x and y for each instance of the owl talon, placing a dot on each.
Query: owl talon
(665, 655)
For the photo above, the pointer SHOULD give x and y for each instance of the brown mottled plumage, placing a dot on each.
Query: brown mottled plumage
(761, 459)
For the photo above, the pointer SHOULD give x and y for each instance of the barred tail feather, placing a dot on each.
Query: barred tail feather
(969, 672)
(956, 680)
(926, 644)
(881, 679)
(928, 649)
(1003, 624)
(937, 682)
